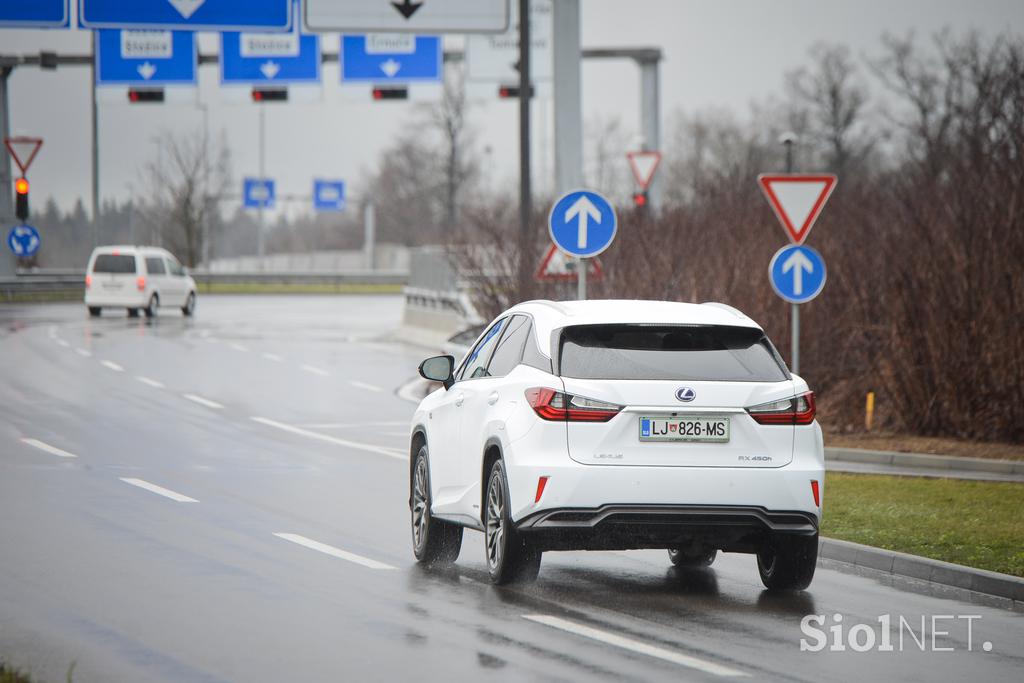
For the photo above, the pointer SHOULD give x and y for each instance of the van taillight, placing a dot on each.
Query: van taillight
(557, 406)
(88, 281)
(797, 410)
(140, 282)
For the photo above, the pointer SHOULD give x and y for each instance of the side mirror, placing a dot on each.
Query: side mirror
(439, 369)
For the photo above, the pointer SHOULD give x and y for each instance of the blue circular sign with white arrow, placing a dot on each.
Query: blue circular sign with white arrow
(797, 273)
(23, 240)
(582, 223)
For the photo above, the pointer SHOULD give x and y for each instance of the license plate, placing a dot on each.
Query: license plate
(691, 428)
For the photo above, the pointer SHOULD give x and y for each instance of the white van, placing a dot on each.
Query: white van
(138, 279)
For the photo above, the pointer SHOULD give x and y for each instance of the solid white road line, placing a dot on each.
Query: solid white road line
(363, 385)
(159, 490)
(150, 382)
(52, 450)
(635, 646)
(239, 347)
(84, 353)
(63, 343)
(112, 365)
(390, 452)
(203, 401)
(315, 370)
(273, 356)
(333, 552)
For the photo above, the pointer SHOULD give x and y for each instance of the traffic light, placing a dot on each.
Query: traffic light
(21, 199)
(510, 91)
(380, 93)
(269, 94)
(136, 95)
(640, 200)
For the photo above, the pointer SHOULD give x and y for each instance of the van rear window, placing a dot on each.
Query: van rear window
(114, 263)
(669, 352)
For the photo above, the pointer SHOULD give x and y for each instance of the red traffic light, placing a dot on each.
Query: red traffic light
(269, 95)
(21, 186)
(390, 93)
(136, 95)
(509, 91)
(640, 199)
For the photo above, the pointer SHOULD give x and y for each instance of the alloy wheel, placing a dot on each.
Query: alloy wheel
(495, 520)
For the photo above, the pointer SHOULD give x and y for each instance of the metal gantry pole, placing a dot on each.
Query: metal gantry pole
(650, 101)
(6, 181)
(95, 147)
(794, 309)
(525, 194)
(568, 109)
(260, 246)
(369, 235)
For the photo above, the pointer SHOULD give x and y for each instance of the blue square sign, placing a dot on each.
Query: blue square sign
(329, 195)
(390, 57)
(145, 57)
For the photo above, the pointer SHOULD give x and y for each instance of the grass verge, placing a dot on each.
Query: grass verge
(8, 675)
(974, 523)
(294, 288)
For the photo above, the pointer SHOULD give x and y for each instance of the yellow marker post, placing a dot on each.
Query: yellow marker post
(869, 411)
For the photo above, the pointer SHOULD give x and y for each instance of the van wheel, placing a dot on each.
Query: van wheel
(150, 309)
(94, 311)
(433, 540)
(190, 305)
(133, 313)
(787, 562)
(510, 557)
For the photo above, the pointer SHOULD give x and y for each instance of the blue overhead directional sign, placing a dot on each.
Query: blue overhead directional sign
(258, 193)
(188, 15)
(35, 14)
(23, 240)
(329, 195)
(797, 273)
(384, 57)
(146, 57)
(262, 58)
(582, 223)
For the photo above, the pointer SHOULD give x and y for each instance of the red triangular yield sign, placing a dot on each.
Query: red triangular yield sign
(23, 150)
(557, 266)
(797, 200)
(644, 164)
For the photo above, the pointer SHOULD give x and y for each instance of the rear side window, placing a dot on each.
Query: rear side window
(114, 263)
(509, 351)
(155, 266)
(669, 352)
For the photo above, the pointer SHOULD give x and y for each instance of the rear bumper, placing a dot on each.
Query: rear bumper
(134, 299)
(623, 527)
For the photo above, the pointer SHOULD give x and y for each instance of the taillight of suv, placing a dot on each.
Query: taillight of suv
(559, 406)
(797, 410)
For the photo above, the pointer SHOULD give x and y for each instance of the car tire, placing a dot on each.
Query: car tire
(683, 558)
(510, 557)
(787, 562)
(190, 305)
(433, 541)
(150, 309)
(94, 311)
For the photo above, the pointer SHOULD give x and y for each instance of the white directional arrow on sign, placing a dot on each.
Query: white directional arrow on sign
(583, 210)
(146, 70)
(269, 69)
(186, 8)
(390, 68)
(798, 263)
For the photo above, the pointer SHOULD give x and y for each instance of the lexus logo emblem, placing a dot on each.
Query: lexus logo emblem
(685, 394)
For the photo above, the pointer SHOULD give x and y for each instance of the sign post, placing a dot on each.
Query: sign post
(582, 224)
(797, 273)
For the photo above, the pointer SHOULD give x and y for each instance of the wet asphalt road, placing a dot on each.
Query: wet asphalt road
(236, 510)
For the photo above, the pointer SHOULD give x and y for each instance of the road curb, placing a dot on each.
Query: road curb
(1009, 589)
(924, 460)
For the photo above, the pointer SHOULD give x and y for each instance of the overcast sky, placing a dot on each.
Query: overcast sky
(718, 53)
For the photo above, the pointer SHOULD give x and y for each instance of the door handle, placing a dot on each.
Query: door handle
(493, 398)
(459, 400)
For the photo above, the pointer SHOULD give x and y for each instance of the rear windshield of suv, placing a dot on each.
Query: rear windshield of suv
(114, 263)
(669, 352)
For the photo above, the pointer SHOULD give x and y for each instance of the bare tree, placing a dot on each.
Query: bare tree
(450, 118)
(185, 183)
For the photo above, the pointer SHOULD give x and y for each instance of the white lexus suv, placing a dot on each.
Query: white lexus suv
(613, 425)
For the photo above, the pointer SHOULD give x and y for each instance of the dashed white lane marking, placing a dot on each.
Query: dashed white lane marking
(112, 365)
(273, 356)
(52, 332)
(203, 401)
(239, 347)
(52, 450)
(363, 385)
(84, 353)
(159, 490)
(61, 342)
(315, 370)
(150, 382)
(704, 665)
(333, 552)
(390, 452)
